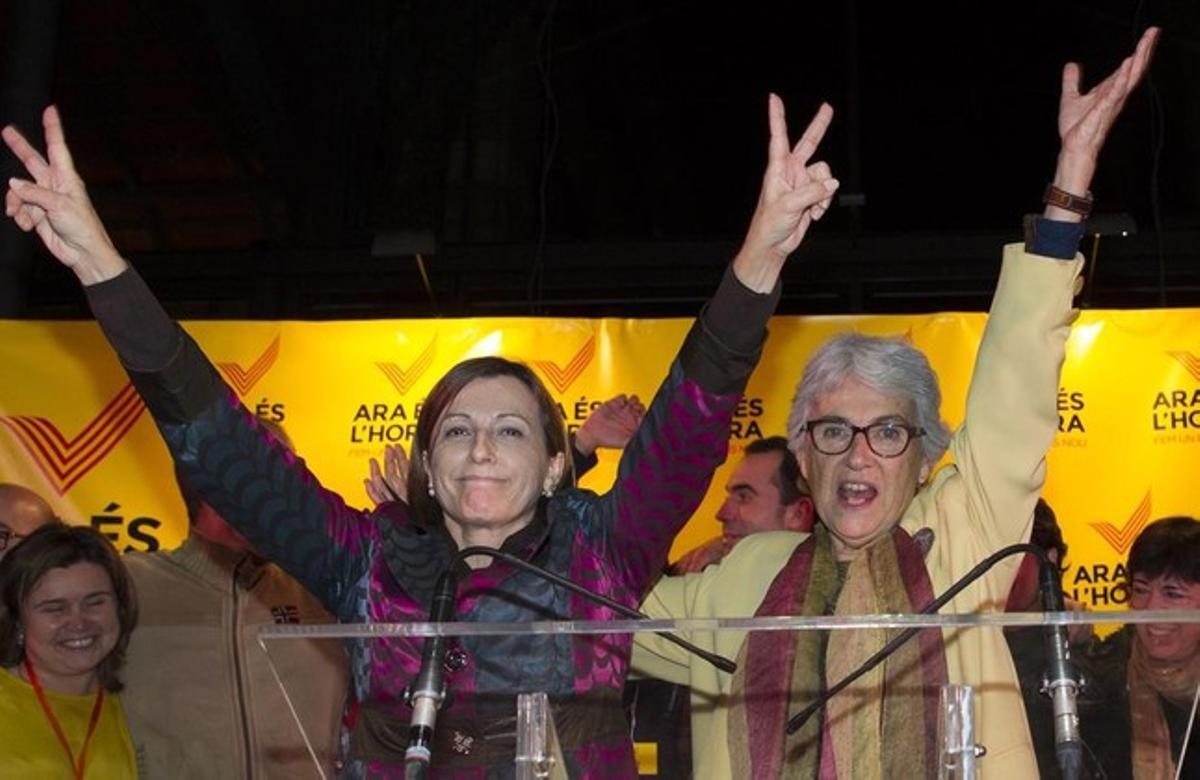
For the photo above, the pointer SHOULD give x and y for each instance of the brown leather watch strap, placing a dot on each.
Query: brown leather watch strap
(1079, 204)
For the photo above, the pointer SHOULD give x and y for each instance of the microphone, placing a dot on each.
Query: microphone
(719, 661)
(1062, 680)
(799, 719)
(428, 690)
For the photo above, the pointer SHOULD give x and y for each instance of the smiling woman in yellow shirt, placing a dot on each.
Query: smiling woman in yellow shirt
(68, 610)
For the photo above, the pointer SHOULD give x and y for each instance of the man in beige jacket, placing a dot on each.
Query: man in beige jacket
(199, 694)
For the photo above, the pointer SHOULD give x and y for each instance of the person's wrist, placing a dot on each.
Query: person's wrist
(758, 269)
(1072, 175)
(99, 267)
(1063, 206)
(1074, 172)
(584, 444)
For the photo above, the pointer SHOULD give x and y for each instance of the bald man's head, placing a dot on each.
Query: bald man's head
(21, 513)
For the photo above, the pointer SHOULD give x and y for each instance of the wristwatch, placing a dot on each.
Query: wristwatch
(1079, 204)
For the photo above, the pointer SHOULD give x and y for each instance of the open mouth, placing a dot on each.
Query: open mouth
(856, 494)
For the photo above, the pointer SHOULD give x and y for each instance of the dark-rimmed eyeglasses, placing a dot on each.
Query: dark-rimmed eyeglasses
(887, 439)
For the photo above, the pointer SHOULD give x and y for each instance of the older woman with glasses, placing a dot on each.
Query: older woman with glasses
(865, 427)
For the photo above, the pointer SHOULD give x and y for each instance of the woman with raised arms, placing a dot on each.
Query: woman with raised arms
(489, 467)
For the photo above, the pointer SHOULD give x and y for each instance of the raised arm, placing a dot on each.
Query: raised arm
(1084, 120)
(1011, 416)
(666, 469)
(610, 426)
(254, 484)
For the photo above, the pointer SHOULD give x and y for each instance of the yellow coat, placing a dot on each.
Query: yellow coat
(981, 502)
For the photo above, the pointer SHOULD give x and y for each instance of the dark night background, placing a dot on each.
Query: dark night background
(286, 158)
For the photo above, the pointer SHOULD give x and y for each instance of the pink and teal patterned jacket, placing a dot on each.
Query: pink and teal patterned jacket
(380, 566)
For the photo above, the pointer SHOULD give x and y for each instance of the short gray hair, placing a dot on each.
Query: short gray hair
(890, 366)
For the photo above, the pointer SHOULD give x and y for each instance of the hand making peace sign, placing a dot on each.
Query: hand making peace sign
(55, 204)
(794, 193)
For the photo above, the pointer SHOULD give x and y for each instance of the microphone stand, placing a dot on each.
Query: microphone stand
(719, 661)
(1061, 682)
(428, 691)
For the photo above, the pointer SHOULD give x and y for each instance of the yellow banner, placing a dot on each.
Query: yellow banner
(72, 428)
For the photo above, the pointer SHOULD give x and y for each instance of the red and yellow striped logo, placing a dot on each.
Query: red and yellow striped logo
(562, 377)
(1121, 539)
(65, 461)
(404, 380)
(244, 379)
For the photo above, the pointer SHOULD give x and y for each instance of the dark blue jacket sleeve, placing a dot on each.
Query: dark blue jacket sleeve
(223, 454)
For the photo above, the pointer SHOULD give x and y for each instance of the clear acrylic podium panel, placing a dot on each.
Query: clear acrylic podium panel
(961, 756)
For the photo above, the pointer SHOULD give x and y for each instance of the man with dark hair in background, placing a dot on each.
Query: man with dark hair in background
(764, 493)
(200, 696)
